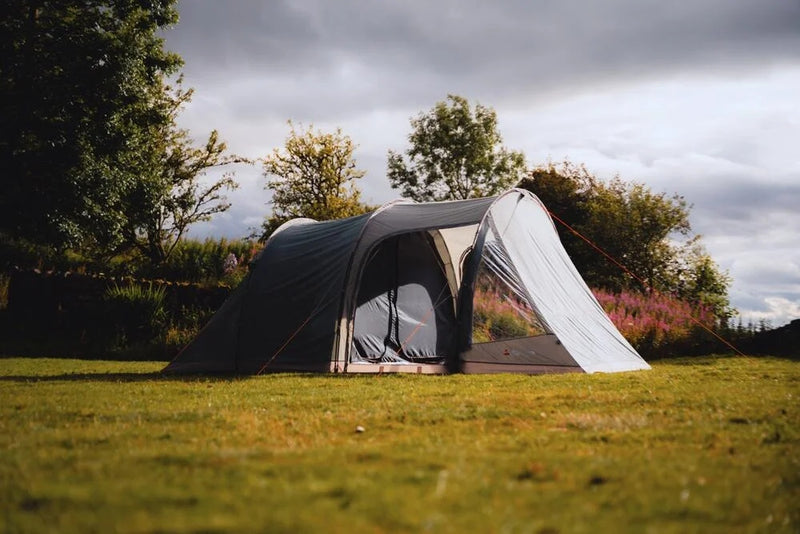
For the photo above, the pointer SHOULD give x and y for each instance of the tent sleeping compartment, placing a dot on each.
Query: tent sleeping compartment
(474, 286)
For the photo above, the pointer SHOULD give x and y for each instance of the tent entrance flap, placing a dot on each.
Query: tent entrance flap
(404, 308)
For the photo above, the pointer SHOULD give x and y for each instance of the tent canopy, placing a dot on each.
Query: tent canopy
(480, 285)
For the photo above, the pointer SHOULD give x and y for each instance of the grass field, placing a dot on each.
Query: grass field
(695, 445)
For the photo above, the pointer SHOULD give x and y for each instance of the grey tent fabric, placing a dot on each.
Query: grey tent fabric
(393, 290)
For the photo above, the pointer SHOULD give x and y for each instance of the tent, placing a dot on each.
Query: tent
(474, 286)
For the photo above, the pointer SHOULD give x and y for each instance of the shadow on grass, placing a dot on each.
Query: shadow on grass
(159, 376)
(123, 377)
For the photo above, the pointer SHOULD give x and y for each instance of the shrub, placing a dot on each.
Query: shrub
(184, 327)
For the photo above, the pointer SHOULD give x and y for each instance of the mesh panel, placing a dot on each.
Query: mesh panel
(501, 307)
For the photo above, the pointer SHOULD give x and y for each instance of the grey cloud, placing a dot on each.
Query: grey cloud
(747, 202)
(773, 269)
(495, 49)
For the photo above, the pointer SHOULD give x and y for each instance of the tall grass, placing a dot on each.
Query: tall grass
(135, 313)
(655, 324)
(498, 315)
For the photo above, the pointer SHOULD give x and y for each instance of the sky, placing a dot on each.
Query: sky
(697, 98)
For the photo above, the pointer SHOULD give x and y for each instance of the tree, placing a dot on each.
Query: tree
(314, 176)
(168, 197)
(634, 226)
(697, 279)
(79, 92)
(455, 153)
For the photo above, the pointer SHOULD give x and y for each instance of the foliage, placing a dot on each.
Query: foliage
(191, 260)
(495, 318)
(64, 314)
(78, 96)
(696, 278)
(456, 153)
(648, 233)
(135, 313)
(168, 197)
(114, 446)
(208, 261)
(94, 158)
(313, 176)
(634, 226)
(184, 327)
(23, 254)
(4, 282)
(783, 340)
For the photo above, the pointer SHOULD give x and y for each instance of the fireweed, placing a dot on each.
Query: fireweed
(656, 324)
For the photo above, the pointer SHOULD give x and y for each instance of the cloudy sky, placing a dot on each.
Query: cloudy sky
(698, 98)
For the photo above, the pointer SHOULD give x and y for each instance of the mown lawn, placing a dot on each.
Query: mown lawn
(695, 445)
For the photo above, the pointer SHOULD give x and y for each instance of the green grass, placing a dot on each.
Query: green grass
(695, 445)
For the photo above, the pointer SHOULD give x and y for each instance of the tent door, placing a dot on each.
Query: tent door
(404, 309)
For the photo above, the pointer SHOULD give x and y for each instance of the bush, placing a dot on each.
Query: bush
(184, 327)
(209, 262)
(72, 314)
(22, 254)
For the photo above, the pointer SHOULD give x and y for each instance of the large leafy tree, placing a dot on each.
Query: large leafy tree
(81, 89)
(313, 175)
(456, 152)
(696, 278)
